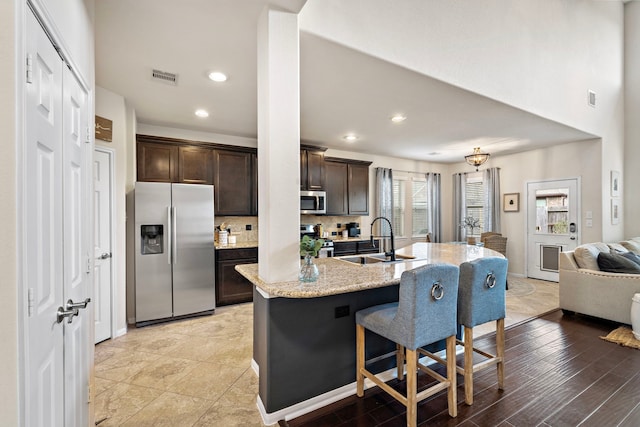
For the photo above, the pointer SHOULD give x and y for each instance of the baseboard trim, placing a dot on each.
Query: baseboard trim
(317, 402)
(120, 332)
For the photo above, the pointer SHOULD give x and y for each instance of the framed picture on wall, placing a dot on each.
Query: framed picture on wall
(615, 212)
(104, 129)
(615, 183)
(511, 202)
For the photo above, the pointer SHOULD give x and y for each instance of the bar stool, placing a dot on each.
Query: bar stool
(481, 299)
(424, 314)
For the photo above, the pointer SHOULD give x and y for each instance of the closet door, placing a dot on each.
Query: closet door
(43, 255)
(55, 228)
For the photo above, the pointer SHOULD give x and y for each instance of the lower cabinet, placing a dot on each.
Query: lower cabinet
(231, 286)
(356, 247)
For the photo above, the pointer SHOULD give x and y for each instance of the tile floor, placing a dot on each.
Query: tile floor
(197, 372)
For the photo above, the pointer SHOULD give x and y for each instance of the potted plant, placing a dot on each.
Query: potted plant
(472, 223)
(308, 249)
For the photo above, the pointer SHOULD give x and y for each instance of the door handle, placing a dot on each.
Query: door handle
(62, 314)
(174, 236)
(77, 305)
(105, 255)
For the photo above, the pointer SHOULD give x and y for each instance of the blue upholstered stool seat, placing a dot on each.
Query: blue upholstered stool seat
(425, 313)
(481, 299)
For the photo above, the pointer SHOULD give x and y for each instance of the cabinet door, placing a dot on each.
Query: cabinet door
(365, 247)
(233, 183)
(315, 170)
(303, 170)
(337, 188)
(231, 286)
(345, 248)
(194, 165)
(157, 162)
(254, 188)
(358, 189)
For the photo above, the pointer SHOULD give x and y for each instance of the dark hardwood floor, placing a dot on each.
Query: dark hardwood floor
(558, 372)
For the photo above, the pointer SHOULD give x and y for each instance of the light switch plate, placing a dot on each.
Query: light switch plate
(589, 215)
(589, 223)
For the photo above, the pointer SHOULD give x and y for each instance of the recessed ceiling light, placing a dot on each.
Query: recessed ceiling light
(217, 76)
(350, 137)
(202, 113)
(398, 118)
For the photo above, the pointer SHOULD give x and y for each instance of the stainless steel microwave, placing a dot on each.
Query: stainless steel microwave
(313, 202)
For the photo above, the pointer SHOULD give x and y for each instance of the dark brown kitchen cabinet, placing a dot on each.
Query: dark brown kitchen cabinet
(157, 162)
(231, 286)
(194, 165)
(312, 172)
(356, 247)
(337, 188)
(347, 186)
(233, 170)
(358, 189)
(234, 183)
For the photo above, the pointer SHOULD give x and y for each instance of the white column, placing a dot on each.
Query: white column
(278, 145)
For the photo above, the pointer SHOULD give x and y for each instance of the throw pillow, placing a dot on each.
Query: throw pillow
(616, 263)
(586, 255)
(630, 255)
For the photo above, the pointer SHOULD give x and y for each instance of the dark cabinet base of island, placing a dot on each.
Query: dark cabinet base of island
(231, 286)
(305, 347)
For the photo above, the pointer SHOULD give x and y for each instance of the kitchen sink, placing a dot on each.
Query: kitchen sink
(375, 259)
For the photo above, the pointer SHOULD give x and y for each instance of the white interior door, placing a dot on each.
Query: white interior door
(77, 289)
(553, 212)
(103, 215)
(43, 231)
(57, 353)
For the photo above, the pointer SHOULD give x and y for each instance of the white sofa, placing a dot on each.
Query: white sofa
(585, 289)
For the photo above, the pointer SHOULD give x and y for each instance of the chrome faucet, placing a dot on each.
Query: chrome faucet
(391, 253)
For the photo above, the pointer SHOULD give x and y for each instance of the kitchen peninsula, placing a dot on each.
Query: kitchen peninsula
(304, 333)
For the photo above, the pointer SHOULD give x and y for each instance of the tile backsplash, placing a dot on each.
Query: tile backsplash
(330, 223)
(238, 226)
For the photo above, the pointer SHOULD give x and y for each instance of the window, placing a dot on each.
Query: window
(474, 201)
(398, 206)
(410, 207)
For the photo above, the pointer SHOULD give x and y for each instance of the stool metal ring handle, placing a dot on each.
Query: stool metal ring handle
(437, 291)
(490, 280)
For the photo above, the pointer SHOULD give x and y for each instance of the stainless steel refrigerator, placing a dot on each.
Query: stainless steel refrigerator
(174, 245)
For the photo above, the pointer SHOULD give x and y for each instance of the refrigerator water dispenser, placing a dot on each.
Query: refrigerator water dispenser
(152, 238)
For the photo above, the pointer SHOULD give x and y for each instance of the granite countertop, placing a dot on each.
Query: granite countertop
(237, 245)
(338, 276)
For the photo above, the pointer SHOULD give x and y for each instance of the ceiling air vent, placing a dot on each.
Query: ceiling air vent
(165, 77)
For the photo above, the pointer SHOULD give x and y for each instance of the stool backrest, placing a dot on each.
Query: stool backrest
(481, 292)
(427, 305)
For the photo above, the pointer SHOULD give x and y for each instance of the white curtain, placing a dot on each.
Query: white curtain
(459, 208)
(491, 183)
(434, 202)
(384, 199)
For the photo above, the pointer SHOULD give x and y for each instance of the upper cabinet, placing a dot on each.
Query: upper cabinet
(312, 172)
(194, 165)
(347, 186)
(232, 170)
(234, 183)
(157, 162)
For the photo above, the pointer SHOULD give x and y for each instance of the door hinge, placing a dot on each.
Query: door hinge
(30, 300)
(87, 138)
(29, 68)
(88, 265)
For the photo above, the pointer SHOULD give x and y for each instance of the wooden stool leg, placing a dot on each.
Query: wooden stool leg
(400, 361)
(468, 365)
(451, 376)
(412, 406)
(500, 351)
(359, 360)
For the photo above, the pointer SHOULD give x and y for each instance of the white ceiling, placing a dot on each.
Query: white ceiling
(342, 90)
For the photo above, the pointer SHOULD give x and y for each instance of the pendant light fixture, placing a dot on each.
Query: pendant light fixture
(477, 158)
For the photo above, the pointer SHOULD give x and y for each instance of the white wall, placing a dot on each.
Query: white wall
(112, 106)
(632, 124)
(8, 250)
(540, 59)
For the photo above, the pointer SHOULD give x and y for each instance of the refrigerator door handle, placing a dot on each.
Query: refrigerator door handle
(174, 231)
(169, 243)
